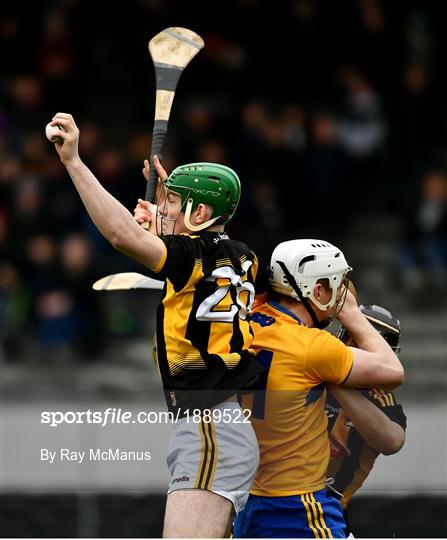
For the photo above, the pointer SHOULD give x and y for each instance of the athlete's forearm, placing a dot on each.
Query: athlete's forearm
(111, 218)
(381, 433)
(368, 339)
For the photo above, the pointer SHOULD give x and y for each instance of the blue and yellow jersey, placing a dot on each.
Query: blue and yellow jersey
(288, 411)
(351, 458)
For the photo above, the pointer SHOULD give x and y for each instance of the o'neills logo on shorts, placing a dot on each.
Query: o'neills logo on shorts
(181, 479)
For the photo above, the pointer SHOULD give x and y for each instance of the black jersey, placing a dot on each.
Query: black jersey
(203, 336)
(351, 458)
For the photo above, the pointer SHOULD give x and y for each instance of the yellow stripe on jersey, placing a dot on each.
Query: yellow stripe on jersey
(310, 516)
(203, 456)
(219, 339)
(175, 320)
(162, 261)
(365, 464)
(388, 399)
(381, 399)
(213, 464)
(208, 455)
(314, 512)
(320, 512)
(223, 262)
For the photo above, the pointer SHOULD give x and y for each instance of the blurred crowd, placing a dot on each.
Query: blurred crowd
(329, 111)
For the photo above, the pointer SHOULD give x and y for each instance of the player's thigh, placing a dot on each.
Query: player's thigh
(195, 513)
(218, 456)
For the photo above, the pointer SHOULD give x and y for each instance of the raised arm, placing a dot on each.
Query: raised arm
(379, 431)
(375, 364)
(111, 218)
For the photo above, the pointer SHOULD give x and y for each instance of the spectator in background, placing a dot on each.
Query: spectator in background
(39, 263)
(361, 127)
(64, 309)
(78, 271)
(198, 122)
(14, 307)
(24, 99)
(92, 140)
(56, 59)
(413, 126)
(253, 123)
(26, 212)
(270, 215)
(423, 253)
(361, 132)
(212, 151)
(52, 309)
(292, 118)
(56, 324)
(327, 172)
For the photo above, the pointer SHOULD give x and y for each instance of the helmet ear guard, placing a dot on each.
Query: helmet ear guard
(191, 226)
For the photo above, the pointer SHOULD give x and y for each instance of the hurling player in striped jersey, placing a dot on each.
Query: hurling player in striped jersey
(362, 424)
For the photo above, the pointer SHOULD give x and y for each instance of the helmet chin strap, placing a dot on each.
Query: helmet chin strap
(318, 324)
(188, 220)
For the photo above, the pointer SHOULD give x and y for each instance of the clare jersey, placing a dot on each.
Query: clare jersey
(203, 334)
(288, 406)
(351, 458)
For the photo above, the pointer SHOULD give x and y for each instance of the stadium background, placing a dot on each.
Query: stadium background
(333, 113)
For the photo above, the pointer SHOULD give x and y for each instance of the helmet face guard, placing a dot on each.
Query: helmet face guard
(206, 183)
(383, 321)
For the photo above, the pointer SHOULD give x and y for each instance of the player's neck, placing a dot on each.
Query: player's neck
(296, 308)
(215, 228)
(212, 228)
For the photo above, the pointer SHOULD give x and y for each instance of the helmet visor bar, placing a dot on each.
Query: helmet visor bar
(165, 223)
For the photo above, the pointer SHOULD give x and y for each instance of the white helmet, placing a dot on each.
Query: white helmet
(305, 262)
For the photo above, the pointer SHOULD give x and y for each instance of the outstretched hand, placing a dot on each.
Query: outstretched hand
(68, 138)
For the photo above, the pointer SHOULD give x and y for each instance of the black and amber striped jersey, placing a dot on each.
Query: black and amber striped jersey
(351, 458)
(203, 335)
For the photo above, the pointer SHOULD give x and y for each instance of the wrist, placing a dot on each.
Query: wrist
(72, 162)
(347, 317)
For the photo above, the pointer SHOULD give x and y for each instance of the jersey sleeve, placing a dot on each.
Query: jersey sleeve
(328, 359)
(178, 262)
(386, 402)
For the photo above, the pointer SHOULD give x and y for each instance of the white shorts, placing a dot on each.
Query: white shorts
(219, 453)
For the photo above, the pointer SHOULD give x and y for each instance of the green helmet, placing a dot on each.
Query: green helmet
(206, 183)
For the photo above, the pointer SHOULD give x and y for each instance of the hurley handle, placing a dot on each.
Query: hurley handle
(158, 139)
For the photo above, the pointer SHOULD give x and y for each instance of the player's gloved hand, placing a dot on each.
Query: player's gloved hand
(67, 147)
